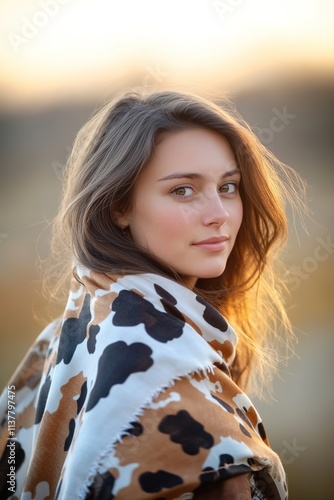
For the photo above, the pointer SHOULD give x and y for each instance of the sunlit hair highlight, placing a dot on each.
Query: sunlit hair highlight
(108, 155)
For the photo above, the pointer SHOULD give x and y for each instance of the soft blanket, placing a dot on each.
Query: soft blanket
(129, 396)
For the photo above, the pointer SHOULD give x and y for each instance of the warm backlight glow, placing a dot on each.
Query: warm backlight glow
(58, 44)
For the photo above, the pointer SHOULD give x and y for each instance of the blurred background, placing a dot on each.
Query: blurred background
(61, 59)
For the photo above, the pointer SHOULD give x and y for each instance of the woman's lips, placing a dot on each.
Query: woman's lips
(213, 244)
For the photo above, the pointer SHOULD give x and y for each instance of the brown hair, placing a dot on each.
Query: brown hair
(108, 155)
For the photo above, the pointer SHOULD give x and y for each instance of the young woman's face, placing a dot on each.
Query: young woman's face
(187, 209)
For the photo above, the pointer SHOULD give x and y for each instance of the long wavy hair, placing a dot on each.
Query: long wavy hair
(108, 155)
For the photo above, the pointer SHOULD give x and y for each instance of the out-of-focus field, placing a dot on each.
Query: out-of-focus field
(35, 145)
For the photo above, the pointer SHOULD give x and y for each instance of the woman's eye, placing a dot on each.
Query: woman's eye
(183, 191)
(229, 188)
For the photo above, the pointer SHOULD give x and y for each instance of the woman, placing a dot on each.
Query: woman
(172, 213)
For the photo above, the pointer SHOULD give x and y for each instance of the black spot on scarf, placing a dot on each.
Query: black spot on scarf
(212, 316)
(117, 362)
(74, 333)
(131, 310)
(225, 470)
(186, 431)
(169, 302)
(153, 482)
(42, 399)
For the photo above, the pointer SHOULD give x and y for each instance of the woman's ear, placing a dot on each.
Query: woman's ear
(121, 218)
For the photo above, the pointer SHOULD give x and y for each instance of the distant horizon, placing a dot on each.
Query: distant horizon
(214, 87)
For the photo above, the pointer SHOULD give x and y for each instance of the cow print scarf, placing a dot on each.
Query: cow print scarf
(129, 396)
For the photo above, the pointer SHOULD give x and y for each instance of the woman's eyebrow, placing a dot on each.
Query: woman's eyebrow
(189, 175)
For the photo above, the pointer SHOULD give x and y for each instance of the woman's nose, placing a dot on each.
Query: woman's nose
(214, 211)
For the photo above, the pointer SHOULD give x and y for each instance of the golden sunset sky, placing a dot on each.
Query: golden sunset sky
(50, 49)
